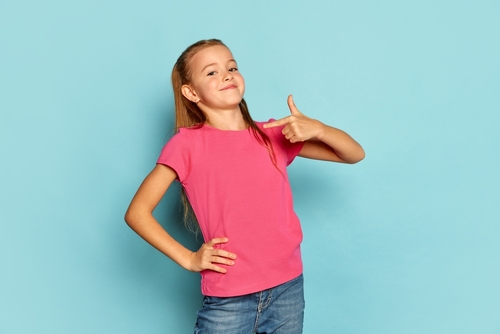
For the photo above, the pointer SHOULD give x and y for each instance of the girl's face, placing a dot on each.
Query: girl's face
(216, 84)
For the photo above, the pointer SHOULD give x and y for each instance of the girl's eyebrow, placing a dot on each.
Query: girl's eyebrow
(230, 60)
(203, 69)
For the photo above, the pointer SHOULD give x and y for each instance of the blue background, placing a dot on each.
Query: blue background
(407, 241)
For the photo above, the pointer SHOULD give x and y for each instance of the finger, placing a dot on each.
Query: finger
(286, 129)
(217, 269)
(276, 123)
(216, 241)
(289, 134)
(292, 137)
(226, 254)
(292, 107)
(222, 260)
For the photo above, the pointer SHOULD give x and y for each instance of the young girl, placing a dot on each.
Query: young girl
(233, 172)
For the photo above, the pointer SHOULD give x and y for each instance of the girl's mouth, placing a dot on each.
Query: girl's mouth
(229, 87)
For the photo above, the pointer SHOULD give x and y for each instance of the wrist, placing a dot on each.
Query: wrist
(186, 261)
(322, 130)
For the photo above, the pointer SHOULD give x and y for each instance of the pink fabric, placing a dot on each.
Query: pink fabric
(237, 192)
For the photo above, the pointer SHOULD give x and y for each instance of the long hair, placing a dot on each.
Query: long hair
(188, 114)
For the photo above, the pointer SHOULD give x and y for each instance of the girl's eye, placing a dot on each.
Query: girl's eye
(211, 73)
(233, 69)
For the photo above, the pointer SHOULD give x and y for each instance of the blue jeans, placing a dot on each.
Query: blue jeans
(279, 310)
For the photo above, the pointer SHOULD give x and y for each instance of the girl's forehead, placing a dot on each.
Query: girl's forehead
(211, 54)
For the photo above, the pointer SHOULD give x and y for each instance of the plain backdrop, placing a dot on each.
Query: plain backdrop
(407, 241)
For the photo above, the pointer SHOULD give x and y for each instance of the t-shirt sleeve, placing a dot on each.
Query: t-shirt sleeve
(291, 149)
(175, 155)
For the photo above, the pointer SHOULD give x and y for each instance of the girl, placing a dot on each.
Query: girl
(233, 173)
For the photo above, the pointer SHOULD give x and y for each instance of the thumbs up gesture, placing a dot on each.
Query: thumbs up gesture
(298, 127)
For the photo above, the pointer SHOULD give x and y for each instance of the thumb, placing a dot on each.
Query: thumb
(291, 105)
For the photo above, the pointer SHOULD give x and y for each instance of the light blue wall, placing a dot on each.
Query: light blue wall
(407, 241)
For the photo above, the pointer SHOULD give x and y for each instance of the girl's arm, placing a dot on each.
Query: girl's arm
(140, 218)
(321, 142)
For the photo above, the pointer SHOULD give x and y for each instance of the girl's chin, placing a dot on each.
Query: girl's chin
(226, 106)
(232, 103)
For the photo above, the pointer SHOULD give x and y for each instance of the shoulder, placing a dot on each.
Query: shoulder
(185, 134)
(181, 140)
(181, 145)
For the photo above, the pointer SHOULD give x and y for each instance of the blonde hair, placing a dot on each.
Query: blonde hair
(188, 114)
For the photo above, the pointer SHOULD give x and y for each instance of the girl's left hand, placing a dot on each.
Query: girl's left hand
(298, 127)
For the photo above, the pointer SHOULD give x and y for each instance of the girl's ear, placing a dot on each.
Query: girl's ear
(189, 93)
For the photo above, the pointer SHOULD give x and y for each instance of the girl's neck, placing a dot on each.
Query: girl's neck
(227, 120)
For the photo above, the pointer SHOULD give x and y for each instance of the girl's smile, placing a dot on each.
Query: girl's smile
(229, 87)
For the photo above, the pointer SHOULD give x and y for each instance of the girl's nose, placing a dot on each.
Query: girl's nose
(228, 76)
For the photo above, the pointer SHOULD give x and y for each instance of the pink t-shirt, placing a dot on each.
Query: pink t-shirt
(237, 192)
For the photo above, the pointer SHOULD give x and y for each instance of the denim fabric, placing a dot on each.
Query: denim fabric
(279, 310)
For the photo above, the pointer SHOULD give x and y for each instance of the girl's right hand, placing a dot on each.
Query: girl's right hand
(207, 257)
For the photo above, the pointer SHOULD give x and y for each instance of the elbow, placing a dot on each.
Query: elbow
(129, 218)
(135, 217)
